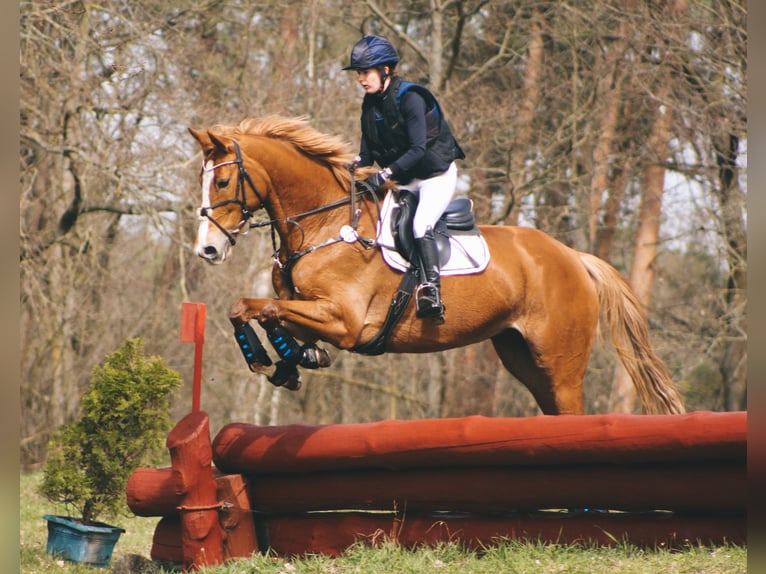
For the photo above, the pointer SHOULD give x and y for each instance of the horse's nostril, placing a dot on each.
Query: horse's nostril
(210, 251)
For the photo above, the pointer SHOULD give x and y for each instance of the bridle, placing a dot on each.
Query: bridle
(348, 233)
(240, 198)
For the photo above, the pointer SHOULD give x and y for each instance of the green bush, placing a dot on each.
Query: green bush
(125, 418)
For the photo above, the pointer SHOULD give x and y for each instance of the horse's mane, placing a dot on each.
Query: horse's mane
(332, 150)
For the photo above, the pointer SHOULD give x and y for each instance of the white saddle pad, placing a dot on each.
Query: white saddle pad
(469, 253)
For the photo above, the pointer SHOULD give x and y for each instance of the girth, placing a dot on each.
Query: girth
(376, 345)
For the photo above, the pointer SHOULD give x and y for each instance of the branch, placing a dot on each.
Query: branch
(34, 140)
(392, 26)
(70, 216)
(130, 210)
(463, 17)
(371, 386)
(501, 53)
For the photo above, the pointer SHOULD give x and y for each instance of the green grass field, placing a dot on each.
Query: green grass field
(512, 557)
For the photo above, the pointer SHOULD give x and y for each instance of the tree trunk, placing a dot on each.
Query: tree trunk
(623, 397)
(733, 367)
(617, 185)
(533, 72)
(610, 91)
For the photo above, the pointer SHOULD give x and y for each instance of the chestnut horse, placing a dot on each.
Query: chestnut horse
(538, 300)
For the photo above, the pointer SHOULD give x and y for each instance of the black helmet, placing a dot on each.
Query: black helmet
(372, 51)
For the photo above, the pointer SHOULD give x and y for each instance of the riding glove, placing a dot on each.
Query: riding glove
(378, 179)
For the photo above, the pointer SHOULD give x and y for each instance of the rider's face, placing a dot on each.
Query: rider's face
(370, 80)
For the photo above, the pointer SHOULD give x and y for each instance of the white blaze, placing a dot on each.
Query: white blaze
(207, 180)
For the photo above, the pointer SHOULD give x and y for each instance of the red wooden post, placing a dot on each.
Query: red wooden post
(236, 518)
(166, 542)
(193, 331)
(195, 487)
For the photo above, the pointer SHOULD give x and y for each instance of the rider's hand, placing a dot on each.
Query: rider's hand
(378, 179)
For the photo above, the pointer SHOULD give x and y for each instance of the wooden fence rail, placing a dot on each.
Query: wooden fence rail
(656, 480)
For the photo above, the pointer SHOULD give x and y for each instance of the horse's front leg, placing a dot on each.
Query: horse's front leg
(275, 316)
(307, 319)
(284, 373)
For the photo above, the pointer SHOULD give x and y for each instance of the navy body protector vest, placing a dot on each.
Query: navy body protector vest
(384, 129)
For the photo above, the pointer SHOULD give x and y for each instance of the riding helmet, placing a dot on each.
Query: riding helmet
(371, 52)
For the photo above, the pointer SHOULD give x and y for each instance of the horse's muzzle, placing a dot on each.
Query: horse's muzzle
(211, 253)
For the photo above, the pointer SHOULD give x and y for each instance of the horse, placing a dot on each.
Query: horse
(539, 301)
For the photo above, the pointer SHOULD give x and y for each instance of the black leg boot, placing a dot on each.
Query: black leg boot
(427, 295)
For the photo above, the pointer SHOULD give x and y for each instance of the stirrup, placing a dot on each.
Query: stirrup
(429, 304)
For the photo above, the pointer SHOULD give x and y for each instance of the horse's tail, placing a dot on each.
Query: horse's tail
(624, 317)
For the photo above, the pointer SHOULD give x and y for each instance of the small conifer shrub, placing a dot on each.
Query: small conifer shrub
(125, 418)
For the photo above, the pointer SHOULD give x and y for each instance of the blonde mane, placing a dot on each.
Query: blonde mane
(331, 150)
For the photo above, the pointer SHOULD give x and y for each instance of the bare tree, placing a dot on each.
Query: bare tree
(556, 104)
(609, 93)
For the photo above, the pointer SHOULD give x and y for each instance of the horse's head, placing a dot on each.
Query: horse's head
(229, 195)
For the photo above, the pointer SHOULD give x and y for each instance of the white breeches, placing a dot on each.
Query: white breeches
(435, 194)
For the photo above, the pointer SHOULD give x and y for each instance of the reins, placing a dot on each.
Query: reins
(348, 233)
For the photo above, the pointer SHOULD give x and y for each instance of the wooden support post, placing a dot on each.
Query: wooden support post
(166, 542)
(236, 517)
(191, 455)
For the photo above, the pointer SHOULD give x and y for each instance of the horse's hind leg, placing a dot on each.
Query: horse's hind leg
(557, 390)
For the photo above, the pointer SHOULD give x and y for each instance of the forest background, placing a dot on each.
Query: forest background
(618, 127)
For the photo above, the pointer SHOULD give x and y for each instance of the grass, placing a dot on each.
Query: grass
(33, 559)
(507, 557)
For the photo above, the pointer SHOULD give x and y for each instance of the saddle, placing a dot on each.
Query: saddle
(457, 217)
(461, 247)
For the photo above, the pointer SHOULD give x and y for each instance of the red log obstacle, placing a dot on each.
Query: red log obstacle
(659, 480)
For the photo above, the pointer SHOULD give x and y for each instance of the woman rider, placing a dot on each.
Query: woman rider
(405, 132)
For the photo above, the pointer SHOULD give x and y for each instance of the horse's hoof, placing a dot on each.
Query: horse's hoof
(257, 368)
(314, 357)
(293, 384)
(286, 375)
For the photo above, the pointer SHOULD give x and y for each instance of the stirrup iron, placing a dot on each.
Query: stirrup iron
(428, 303)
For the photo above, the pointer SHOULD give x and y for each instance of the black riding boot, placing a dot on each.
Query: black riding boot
(428, 299)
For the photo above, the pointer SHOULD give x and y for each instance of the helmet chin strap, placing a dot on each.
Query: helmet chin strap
(383, 78)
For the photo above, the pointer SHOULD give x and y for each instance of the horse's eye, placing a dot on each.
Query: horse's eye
(222, 183)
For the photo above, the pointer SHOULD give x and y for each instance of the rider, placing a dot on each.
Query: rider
(405, 132)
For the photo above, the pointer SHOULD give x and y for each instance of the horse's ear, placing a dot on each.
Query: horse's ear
(208, 140)
(222, 143)
(202, 137)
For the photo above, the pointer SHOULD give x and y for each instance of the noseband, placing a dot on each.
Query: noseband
(240, 199)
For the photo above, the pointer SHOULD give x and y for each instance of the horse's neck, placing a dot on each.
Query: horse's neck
(300, 188)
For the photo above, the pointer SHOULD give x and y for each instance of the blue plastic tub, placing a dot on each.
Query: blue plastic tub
(91, 544)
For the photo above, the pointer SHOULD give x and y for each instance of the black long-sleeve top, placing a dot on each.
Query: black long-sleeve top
(413, 110)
